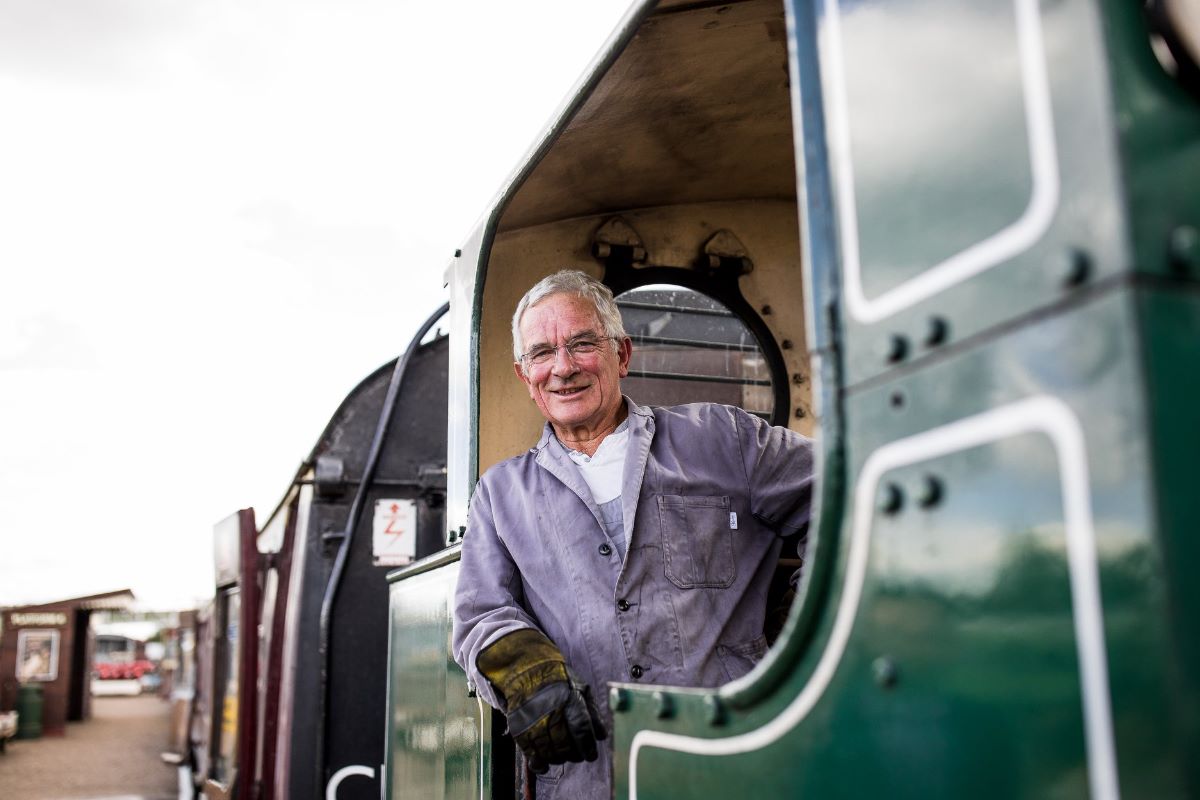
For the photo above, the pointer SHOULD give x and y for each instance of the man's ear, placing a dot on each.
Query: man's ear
(624, 353)
(520, 372)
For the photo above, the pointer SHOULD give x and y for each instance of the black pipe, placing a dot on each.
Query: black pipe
(339, 564)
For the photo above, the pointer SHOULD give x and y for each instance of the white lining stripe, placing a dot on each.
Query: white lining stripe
(998, 247)
(1043, 414)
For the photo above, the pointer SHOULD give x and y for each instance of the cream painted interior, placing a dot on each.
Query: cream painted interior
(687, 133)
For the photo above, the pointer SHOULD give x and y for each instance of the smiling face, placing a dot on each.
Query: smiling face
(580, 396)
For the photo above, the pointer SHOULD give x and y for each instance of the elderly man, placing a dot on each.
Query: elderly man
(631, 544)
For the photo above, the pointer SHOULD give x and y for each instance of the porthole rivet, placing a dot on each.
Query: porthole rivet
(936, 331)
(714, 710)
(664, 705)
(798, 379)
(618, 699)
(800, 413)
(885, 672)
(895, 348)
(1076, 267)
(930, 492)
(786, 344)
(892, 499)
(766, 311)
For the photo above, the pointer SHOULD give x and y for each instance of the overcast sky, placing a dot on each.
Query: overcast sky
(215, 219)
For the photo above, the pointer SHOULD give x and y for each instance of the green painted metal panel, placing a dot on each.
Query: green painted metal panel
(974, 162)
(1012, 639)
(985, 157)
(1169, 323)
(1160, 148)
(439, 737)
(915, 191)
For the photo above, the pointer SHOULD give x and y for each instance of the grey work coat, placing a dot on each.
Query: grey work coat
(707, 490)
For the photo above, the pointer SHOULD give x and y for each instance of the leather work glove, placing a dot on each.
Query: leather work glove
(551, 714)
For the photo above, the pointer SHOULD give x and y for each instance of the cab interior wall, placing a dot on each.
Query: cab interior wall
(689, 132)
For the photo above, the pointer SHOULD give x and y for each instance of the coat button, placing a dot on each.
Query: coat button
(637, 671)
(623, 604)
(605, 550)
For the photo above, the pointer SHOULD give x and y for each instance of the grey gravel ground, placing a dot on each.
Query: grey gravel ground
(113, 755)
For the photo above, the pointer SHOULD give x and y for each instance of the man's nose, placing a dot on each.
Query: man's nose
(564, 362)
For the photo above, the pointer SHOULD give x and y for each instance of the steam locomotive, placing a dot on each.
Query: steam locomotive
(958, 243)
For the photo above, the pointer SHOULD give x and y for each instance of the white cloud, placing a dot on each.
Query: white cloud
(214, 221)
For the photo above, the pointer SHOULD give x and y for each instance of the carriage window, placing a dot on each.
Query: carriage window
(689, 348)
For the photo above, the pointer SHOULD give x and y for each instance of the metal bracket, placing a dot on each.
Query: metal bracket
(616, 238)
(724, 250)
(329, 476)
(332, 539)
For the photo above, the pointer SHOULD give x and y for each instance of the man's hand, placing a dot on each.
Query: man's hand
(551, 714)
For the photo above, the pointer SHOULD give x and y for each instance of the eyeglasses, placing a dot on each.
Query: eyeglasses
(578, 349)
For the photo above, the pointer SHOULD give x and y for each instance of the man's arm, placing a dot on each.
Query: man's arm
(489, 598)
(779, 471)
(513, 664)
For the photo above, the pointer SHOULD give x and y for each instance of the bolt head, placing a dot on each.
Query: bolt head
(714, 710)
(894, 348)
(886, 673)
(664, 706)
(1185, 248)
(929, 492)
(937, 330)
(891, 499)
(1075, 267)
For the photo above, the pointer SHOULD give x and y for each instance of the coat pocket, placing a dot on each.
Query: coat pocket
(697, 541)
(546, 786)
(739, 659)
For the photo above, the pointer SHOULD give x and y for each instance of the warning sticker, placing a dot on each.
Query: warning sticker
(395, 532)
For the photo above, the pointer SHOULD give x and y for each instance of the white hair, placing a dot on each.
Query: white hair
(577, 283)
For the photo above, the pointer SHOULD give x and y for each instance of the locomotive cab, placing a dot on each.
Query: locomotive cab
(671, 178)
(966, 265)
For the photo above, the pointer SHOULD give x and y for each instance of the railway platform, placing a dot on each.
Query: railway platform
(113, 756)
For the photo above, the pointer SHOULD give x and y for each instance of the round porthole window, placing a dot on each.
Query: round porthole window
(689, 348)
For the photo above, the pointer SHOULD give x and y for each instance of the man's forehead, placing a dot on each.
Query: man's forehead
(560, 315)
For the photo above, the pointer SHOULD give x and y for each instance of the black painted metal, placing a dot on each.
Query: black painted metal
(333, 698)
(349, 727)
